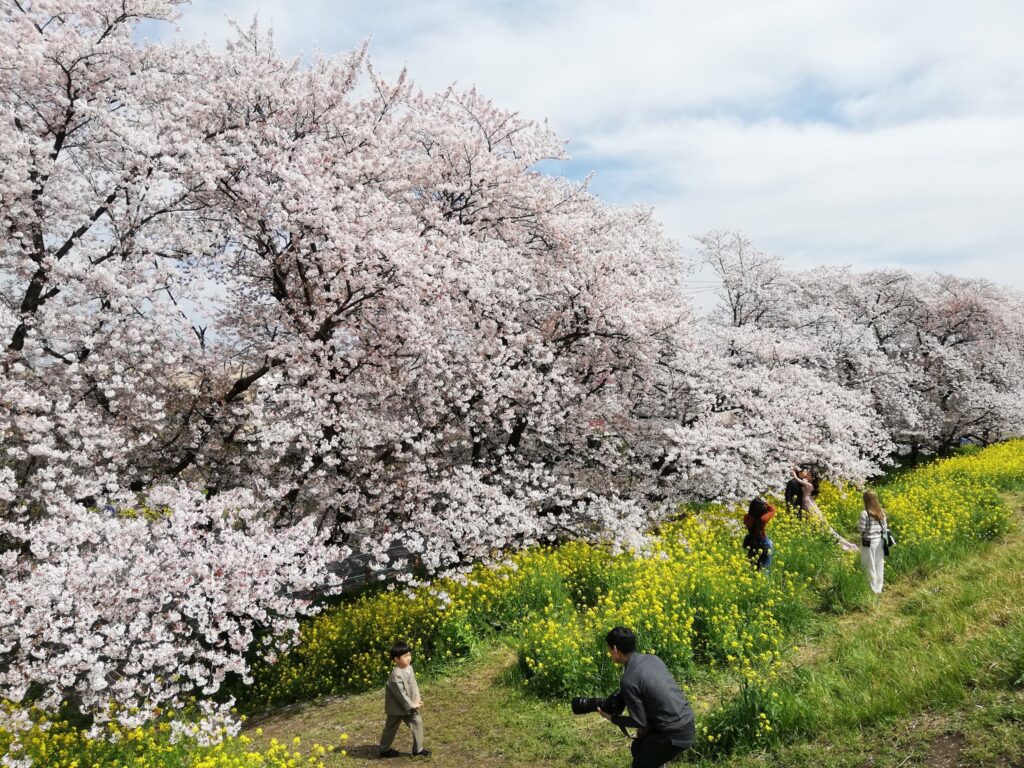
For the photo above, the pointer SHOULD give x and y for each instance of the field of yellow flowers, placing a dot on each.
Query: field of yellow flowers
(60, 744)
(692, 598)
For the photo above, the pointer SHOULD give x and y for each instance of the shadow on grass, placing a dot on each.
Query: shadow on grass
(366, 751)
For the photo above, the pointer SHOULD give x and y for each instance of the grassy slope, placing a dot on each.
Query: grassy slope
(925, 677)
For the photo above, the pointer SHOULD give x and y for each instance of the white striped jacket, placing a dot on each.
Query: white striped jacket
(870, 528)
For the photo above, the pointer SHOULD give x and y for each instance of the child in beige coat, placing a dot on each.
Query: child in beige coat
(402, 702)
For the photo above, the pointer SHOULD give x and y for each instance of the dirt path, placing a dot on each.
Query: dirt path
(472, 717)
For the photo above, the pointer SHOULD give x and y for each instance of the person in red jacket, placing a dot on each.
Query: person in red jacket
(759, 547)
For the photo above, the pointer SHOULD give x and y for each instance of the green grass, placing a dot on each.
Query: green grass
(474, 716)
(925, 644)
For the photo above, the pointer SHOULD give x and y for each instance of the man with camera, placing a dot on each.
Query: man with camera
(658, 709)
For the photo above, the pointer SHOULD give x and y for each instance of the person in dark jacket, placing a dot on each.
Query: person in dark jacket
(759, 547)
(795, 497)
(657, 707)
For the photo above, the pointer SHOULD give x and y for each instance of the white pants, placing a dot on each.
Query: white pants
(873, 560)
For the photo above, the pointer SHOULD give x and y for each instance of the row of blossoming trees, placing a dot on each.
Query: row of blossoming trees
(253, 311)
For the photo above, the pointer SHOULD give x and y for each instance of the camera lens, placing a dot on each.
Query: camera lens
(584, 705)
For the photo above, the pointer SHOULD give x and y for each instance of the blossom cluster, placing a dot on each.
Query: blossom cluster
(125, 612)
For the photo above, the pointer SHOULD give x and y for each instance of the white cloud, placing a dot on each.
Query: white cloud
(925, 194)
(852, 131)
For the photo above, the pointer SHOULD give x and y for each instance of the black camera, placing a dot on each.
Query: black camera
(584, 705)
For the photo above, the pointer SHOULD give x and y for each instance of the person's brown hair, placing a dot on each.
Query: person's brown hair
(873, 506)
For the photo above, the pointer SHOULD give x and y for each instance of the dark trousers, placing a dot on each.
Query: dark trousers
(654, 750)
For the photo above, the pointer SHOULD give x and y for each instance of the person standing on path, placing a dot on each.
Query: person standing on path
(402, 702)
(872, 526)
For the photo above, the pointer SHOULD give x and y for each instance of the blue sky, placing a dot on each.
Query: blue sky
(866, 132)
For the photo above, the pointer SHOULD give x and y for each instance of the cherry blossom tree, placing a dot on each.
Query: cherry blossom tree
(230, 273)
(109, 237)
(969, 344)
(142, 608)
(776, 397)
(938, 356)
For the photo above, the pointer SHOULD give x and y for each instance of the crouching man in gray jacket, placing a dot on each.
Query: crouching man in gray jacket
(658, 709)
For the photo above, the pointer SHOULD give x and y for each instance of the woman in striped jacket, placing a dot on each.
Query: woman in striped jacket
(872, 526)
